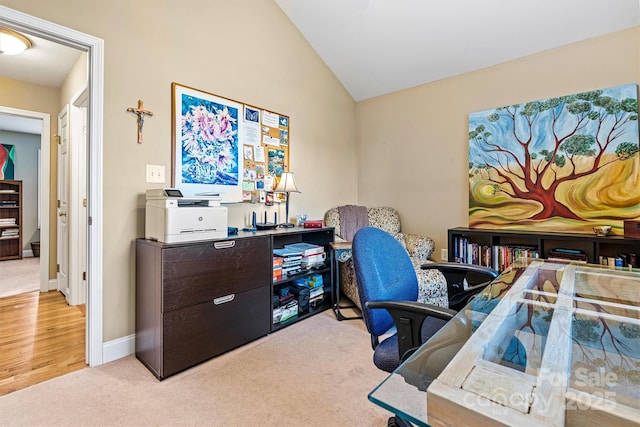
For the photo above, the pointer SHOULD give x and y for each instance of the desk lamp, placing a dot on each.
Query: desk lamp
(287, 185)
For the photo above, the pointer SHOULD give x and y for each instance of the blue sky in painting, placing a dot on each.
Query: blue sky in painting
(502, 131)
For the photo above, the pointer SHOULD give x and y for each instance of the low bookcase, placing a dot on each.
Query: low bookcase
(498, 248)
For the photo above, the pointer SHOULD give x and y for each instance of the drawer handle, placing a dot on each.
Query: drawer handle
(224, 299)
(224, 245)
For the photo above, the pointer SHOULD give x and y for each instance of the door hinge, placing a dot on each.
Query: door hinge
(90, 220)
(58, 203)
(57, 268)
(84, 275)
(84, 203)
(57, 138)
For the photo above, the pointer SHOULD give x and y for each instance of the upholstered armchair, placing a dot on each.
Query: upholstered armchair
(432, 285)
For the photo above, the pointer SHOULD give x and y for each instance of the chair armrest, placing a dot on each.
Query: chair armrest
(476, 276)
(408, 317)
(456, 268)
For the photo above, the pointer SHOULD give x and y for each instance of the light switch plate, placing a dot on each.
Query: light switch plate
(155, 173)
(444, 254)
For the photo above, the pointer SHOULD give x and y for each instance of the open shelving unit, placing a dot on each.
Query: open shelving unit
(321, 237)
(596, 249)
(10, 220)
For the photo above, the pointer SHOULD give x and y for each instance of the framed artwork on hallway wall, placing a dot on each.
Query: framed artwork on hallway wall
(7, 161)
(560, 164)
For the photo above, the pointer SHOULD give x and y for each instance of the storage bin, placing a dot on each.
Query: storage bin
(35, 248)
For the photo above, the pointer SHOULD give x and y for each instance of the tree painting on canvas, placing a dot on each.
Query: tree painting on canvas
(7, 161)
(558, 164)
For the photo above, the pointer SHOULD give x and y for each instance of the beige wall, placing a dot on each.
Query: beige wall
(41, 99)
(411, 150)
(413, 146)
(248, 51)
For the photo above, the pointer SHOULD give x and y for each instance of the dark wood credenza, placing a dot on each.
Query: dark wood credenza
(197, 300)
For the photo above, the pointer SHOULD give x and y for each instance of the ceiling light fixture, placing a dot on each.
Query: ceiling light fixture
(12, 42)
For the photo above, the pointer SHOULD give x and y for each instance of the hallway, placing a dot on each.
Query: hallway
(41, 337)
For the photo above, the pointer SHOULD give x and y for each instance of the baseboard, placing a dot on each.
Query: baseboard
(53, 284)
(118, 348)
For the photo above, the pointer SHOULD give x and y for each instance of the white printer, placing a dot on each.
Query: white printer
(172, 218)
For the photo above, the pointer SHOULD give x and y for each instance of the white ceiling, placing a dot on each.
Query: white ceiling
(376, 47)
(45, 63)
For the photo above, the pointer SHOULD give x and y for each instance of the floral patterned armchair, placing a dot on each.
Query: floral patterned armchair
(432, 285)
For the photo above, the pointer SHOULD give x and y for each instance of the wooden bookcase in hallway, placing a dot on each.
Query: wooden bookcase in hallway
(10, 220)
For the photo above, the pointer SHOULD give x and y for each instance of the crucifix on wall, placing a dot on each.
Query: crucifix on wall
(140, 112)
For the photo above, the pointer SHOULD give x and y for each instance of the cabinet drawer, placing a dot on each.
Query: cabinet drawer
(197, 333)
(202, 272)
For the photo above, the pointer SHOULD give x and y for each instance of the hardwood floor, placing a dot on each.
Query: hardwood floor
(41, 337)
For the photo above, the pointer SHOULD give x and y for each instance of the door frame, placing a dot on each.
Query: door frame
(95, 49)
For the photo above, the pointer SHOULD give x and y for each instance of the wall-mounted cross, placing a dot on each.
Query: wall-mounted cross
(140, 112)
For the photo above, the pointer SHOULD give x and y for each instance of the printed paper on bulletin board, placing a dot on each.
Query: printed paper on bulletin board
(266, 148)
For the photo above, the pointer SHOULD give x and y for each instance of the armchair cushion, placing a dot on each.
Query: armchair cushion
(432, 285)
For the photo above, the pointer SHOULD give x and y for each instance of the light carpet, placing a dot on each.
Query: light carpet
(316, 372)
(18, 276)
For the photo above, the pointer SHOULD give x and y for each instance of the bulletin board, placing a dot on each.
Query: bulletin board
(227, 147)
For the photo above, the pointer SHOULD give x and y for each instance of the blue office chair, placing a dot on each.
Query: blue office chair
(386, 279)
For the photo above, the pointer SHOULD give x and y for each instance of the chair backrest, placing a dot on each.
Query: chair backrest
(383, 271)
(385, 218)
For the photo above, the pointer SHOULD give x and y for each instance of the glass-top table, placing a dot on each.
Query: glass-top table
(547, 342)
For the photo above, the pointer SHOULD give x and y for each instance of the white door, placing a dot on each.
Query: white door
(63, 202)
(77, 198)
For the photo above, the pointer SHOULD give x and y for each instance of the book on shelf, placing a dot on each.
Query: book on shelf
(306, 249)
(568, 254)
(287, 253)
(498, 257)
(315, 223)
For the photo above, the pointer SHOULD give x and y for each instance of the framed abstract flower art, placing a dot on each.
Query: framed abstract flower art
(205, 144)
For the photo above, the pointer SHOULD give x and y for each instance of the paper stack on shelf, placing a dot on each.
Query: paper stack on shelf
(313, 256)
(291, 260)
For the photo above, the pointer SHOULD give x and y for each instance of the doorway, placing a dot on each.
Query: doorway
(30, 25)
(43, 183)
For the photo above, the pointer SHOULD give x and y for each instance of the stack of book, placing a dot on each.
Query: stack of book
(313, 256)
(291, 261)
(6, 229)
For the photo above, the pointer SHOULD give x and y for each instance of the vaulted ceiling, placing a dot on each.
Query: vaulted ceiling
(380, 46)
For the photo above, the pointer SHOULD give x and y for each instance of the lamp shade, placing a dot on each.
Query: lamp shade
(287, 184)
(12, 43)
